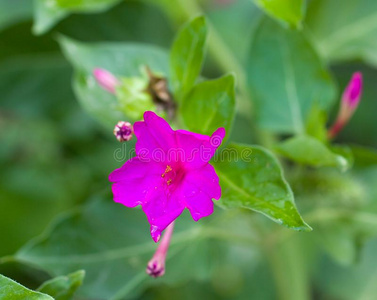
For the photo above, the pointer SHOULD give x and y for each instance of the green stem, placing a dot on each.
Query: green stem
(289, 270)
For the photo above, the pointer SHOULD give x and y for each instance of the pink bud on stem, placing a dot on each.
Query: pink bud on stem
(350, 100)
(106, 80)
(156, 266)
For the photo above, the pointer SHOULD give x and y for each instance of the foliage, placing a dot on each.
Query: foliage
(270, 72)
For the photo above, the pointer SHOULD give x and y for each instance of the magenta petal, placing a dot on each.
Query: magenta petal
(206, 180)
(198, 189)
(161, 210)
(217, 137)
(136, 168)
(197, 201)
(195, 152)
(198, 149)
(153, 135)
(134, 181)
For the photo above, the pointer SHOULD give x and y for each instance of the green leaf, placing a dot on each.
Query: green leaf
(10, 289)
(344, 151)
(112, 244)
(11, 13)
(210, 105)
(133, 98)
(288, 11)
(316, 124)
(22, 272)
(121, 59)
(251, 178)
(338, 240)
(63, 287)
(309, 151)
(48, 12)
(364, 156)
(43, 109)
(348, 34)
(187, 55)
(355, 282)
(286, 78)
(238, 16)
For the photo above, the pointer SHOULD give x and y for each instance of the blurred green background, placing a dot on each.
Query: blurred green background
(54, 157)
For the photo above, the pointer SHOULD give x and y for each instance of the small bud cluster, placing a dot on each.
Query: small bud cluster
(123, 131)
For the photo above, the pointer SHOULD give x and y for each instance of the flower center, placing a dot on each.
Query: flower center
(168, 175)
(172, 175)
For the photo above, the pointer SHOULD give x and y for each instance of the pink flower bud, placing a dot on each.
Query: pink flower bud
(106, 80)
(350, 100)
(156, 266)
(123, 131)
(352, 93)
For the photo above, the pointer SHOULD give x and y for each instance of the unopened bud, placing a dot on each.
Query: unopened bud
(350, 100)
(123, 131)
(156, 266)
(352, 93)
(106, 80)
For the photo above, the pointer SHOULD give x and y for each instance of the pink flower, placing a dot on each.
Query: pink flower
(106, 80)
(170, 172)
(350, 100)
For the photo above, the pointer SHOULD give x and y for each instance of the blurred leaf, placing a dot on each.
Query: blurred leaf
(288, 11)
(10, 289)
(349, 283)
(364, 156)
(283, 67)
(349, 34)
(113, 245)
(288, 262)
(236, 16)
(344, 151)
(48, 12)
(11, 13)
(339, 241)
(316, 124)
(25, 274)
(309, 151)
(252, 178)
(124, 22)
(133, 98)
(120, 59)
(41, 82)
(328, 188)
(35, 98)
(210, 105)
(187, 55)
(63, 287)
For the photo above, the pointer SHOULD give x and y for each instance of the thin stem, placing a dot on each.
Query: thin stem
(156, 266)
(289, 270)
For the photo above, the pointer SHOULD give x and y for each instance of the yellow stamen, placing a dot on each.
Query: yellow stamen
(167, 170)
